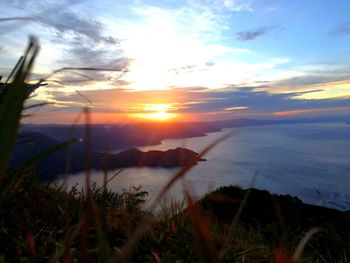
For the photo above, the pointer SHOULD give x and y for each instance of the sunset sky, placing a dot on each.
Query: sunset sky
(187, 60)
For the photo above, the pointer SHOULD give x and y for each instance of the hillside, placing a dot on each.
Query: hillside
(73, 160)
(268, 230)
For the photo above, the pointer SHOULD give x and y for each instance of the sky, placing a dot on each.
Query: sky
(189, 60)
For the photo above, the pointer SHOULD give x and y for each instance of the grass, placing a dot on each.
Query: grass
(37, 221)
(48, 223)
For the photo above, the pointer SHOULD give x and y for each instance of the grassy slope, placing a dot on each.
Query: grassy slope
(37, 219)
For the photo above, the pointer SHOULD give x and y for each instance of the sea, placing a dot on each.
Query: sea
(310, 161)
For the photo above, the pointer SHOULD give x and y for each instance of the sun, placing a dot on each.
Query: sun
(156, 112)
(159, 116)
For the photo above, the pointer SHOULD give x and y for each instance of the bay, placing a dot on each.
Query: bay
(310, 161)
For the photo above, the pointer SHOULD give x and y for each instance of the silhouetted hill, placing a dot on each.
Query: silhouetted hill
(284, 214)
(133, 135)
(30, 144)
(169, 158)
(34, 142)
(120, 136)
(73, 160)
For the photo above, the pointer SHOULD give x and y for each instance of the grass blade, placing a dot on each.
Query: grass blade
(143, 226)
(303, 242)
(12, 105)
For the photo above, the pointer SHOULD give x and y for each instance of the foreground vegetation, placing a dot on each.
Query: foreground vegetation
(41, 223)
(48, 223)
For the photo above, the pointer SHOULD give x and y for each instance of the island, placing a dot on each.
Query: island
(155, 158)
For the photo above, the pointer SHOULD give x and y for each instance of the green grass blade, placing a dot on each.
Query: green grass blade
(12, 105)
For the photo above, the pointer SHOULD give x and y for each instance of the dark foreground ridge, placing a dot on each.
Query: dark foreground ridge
(73, 160)
(282, 220)
(36, 220)
(263, 208)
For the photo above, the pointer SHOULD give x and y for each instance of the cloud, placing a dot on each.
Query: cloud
(194, 104)
(243, 100)
(335, 90)
(231, 5)
(236, 108)
(237, 5)
(85, 44)
(175, 45)
(57, 16)
(253, 102)
(319, 111)
(83, 54)
(192, 68)
(342, 29)
(252, 34)
(79, 25)
(194, 21)
(313, 90)
(71, 37)
(330, 80)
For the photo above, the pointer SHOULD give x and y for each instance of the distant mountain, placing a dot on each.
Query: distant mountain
(73, 160)
(110, 137)
(120, 136)
(104, 138)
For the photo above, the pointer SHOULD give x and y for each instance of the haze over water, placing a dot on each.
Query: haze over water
(311, 161)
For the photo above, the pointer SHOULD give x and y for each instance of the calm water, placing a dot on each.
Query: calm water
(311, 161)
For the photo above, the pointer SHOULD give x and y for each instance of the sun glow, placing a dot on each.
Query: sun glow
(156, 112)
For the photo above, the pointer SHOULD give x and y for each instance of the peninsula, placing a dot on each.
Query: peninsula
(73, 160)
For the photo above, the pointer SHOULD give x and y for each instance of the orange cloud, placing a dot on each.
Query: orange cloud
(330, 90)
(306, 111)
